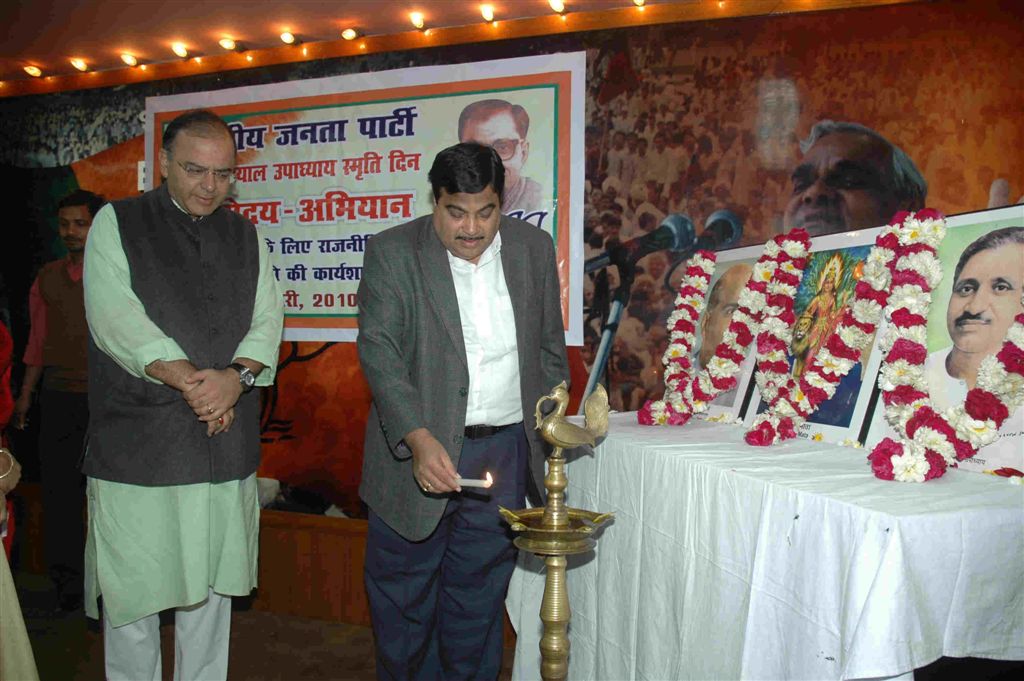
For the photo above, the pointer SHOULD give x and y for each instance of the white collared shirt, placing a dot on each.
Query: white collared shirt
(489, 332)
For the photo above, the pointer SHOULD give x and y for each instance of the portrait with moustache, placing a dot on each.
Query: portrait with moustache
(985, 292)
(972, 309)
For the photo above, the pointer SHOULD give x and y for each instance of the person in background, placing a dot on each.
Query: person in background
(16, 660)
(55, 358)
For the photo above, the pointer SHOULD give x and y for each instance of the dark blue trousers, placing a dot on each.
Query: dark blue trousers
(437, 604)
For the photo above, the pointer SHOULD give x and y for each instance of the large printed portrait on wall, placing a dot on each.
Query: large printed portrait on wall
(972, 309)
(898, 109)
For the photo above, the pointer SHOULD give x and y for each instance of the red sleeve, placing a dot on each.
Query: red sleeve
(37, 330)
(6, 352)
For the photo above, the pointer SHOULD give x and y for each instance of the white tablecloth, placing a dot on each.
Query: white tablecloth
(793, 562)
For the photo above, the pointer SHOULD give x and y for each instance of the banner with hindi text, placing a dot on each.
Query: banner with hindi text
(324, 164)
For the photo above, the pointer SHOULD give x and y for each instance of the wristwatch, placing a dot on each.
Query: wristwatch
(245, 376)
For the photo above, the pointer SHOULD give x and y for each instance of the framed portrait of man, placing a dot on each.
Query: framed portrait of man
(972, 309)
(732, 270)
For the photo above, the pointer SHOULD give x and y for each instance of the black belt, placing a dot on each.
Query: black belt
(480, 432)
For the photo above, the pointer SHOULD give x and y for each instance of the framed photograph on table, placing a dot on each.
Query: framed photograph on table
(835, 264)
(972, 308)
(732, 270)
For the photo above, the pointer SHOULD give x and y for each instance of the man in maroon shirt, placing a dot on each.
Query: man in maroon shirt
(55, 357)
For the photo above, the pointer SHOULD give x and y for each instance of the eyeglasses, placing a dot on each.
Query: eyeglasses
(506, 148)
(195, 172)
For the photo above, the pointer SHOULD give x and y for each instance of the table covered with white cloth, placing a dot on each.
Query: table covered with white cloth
(727, 561)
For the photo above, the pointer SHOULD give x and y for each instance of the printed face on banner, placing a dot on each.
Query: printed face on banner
(466, 223)
(324, 165)
(843, 183)
(498, 129)
(191, 170)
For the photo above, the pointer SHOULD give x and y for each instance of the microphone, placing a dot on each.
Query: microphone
(722, 230)
(675, 233)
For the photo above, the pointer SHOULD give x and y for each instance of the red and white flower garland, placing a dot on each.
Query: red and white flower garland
(778, 269)
(682, 327)
(927, 441)
(791, 401)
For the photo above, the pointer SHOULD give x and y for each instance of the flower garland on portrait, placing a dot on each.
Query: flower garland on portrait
(792, 400)
(928, 442)
(899, 275)
(774, 277)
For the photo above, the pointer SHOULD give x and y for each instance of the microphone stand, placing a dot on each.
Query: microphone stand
(627, 272)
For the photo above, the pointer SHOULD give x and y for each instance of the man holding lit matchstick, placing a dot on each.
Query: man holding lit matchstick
(460, 332)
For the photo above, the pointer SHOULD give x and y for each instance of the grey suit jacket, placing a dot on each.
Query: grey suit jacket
(413, 355)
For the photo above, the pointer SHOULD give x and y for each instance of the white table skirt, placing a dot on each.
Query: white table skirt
(793, 562)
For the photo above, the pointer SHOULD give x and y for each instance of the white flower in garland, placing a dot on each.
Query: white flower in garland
(929, 438)
(837, 366)
(911, 298)
(1016, 336)
(925, 264)
(933, 231)
(853, 336)
(866, 310)
(900, 372)
(979, 432)
(720, 367)
(911, 466)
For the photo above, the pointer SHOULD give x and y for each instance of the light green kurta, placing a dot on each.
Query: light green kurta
(153, 548)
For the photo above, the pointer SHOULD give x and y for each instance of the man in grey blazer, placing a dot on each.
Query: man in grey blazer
(460, 332)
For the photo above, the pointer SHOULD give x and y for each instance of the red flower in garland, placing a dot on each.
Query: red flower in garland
(904, 318)
(761, 436)
(936, 465)
(786, 429)
(1012, 358)
(928, 214)
(981, 404)
(903, 394)
(881, 458)
(915, 353)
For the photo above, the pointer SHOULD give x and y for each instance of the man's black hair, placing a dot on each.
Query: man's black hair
(202, 122)
(467, 168)
(81, 197)
(994, 239)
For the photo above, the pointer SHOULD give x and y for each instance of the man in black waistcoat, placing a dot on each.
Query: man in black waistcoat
(185, 319)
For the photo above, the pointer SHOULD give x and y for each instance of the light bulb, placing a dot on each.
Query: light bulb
(227, 44)
(417, 19)
(179, 49)
(129, 59)
(79, 64)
